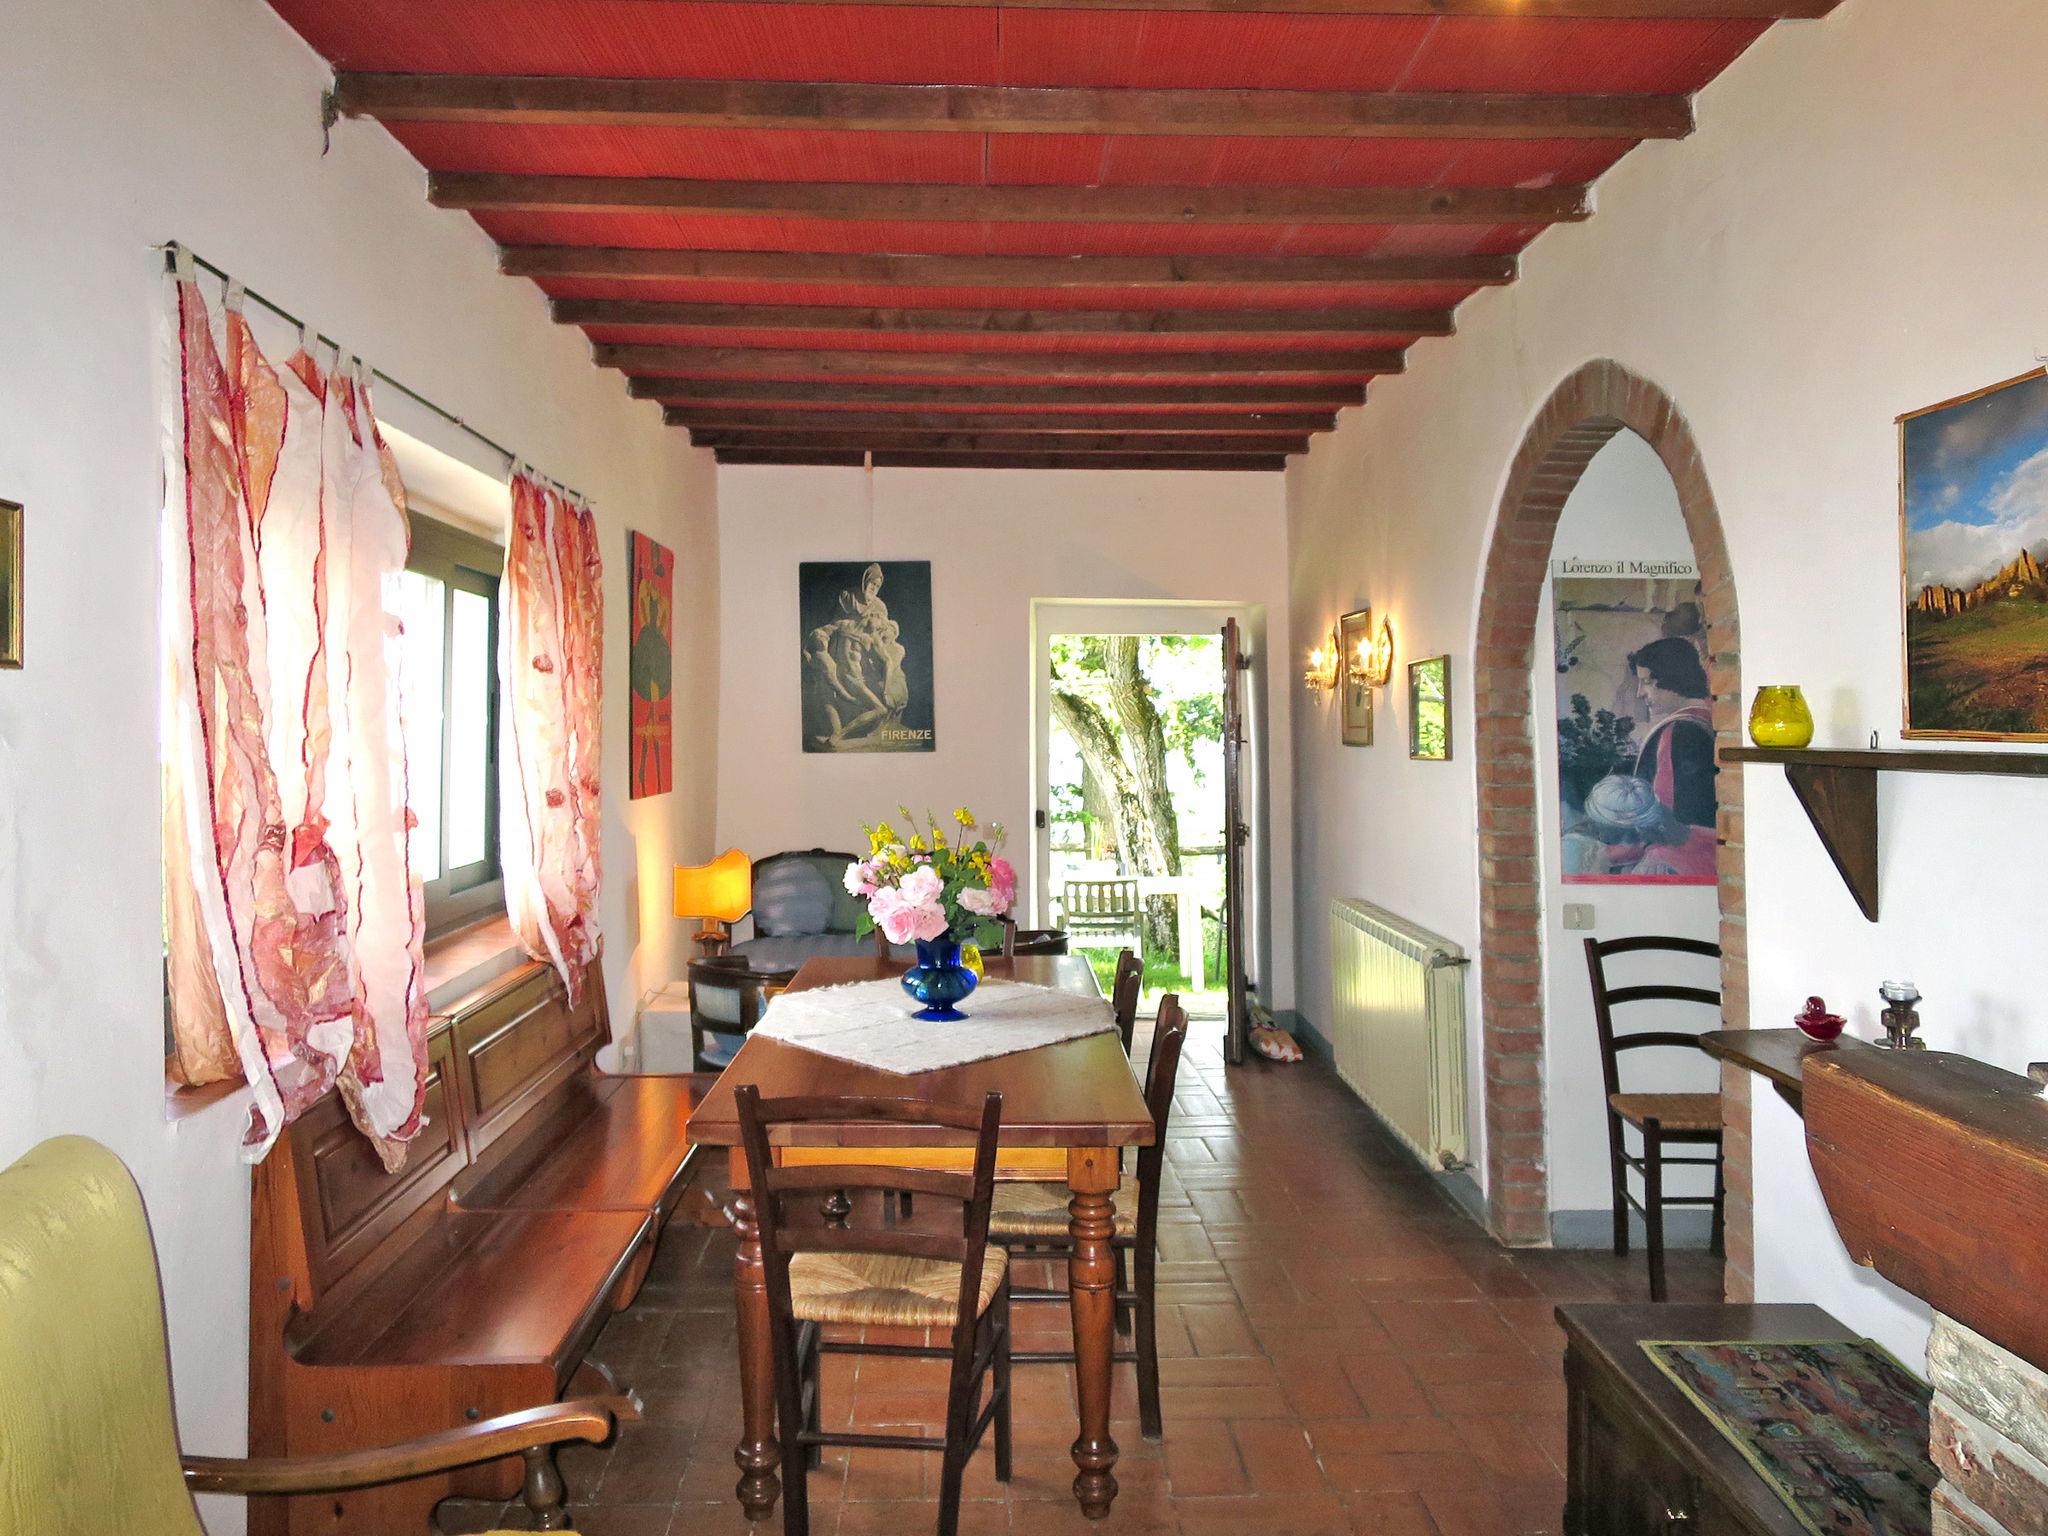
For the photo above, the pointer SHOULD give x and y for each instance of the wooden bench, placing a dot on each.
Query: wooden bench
(472, 1281)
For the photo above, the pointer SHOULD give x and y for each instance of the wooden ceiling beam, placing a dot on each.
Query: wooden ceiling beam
(806, 363)
(973, 395)
(924, 459)
(1002, 442)
(632, 264)
(656, 313)
(1557, 10)
(497, 191)
(568, 100)
(1180, 423)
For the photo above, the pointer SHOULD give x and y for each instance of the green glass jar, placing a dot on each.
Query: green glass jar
(1780, 718)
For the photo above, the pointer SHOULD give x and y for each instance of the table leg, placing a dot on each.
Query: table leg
(758, 1451)
(1092, 1177)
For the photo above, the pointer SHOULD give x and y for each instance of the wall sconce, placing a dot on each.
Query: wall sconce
(1373, 661)
(1320, 675)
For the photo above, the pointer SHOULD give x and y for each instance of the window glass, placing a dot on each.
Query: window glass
(422, 696)
(471, 678)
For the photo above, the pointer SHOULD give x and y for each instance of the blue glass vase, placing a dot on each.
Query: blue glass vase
(939, 980)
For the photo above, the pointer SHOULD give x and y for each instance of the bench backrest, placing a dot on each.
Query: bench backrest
(505, 1066)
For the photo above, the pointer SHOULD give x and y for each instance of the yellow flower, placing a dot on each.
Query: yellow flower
(963, 815)
(917, 842)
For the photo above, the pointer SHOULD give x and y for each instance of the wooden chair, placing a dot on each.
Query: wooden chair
(1661, 1119)
(1123, 995)
(857, 1278)
(1097, 913)
(88, 1440)
(728, 996)
(1033, 1217)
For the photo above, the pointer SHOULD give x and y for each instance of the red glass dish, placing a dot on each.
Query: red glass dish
(1821, 1026)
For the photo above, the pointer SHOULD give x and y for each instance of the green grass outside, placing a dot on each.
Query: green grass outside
(1961, 665)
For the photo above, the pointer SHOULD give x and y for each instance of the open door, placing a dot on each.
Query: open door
(1237, 837)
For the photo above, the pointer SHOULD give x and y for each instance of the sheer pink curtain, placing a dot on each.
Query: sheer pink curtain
(293, 922)
(550, 825)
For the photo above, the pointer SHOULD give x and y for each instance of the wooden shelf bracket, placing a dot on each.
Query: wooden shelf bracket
(1838, 792)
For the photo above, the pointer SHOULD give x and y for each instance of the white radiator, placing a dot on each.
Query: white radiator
(1398, 1025)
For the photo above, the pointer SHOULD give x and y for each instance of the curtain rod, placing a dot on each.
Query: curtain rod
(171, 248)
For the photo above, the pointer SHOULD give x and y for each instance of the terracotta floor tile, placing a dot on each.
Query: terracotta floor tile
(1202, 1459)
(1314, 1514)
(1277, 1456)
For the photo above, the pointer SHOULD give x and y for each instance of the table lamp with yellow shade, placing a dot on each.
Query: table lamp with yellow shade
(717, 894)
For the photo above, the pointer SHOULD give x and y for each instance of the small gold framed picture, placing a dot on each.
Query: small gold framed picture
(1354, 643)
(10, 583)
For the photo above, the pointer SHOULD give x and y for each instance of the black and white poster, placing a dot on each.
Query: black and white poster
(866, 635)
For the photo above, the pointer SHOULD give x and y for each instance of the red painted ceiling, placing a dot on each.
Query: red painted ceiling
(990, 45)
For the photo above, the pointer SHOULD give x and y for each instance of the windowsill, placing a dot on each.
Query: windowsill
(182, 1100)
(457, 964)
(460, 962)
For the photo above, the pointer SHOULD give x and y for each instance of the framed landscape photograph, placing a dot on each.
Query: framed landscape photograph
(1354, 630)
(865, 636)
(1429, 709)
(1973, 519)
(10, 584)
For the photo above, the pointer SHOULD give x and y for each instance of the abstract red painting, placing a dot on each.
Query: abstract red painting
(651, 668)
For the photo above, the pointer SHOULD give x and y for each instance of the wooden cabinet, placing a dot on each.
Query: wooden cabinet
(1643, 1461)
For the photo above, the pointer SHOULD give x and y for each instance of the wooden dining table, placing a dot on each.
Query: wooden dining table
(1068, 1111)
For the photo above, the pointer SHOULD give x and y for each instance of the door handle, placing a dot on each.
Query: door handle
(1038, 818)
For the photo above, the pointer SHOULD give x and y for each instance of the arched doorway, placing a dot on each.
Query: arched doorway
(1580, 418)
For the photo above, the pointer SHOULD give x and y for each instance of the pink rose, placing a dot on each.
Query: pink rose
(921, 886)
(899, 923)
(1002, 883)
(981, 902)
(858, 881)
(928, 922)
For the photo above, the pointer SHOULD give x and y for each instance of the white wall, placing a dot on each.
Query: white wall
(131, 122)
(997, 539)
(1856, 230)
(1624, 508)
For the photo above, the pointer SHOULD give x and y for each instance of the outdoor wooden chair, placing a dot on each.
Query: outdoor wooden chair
(88, 1440)
(1098, 913)
(1032, 1217)
(1661, 1119)
(857, 1278)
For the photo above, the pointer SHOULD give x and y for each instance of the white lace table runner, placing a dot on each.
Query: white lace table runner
(869, 1023)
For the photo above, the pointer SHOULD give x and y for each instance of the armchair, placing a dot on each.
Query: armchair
(85, 1390)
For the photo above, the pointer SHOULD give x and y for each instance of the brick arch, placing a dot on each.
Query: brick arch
(1580, 419)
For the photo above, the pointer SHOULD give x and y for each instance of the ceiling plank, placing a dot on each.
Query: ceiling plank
(925, 459)
(712, 419)
(567, 100)
(480, 191)
(1002, 442)
(1589, 10)
(807, 363)
(1373, 321)
(635, 264)
(970, 395)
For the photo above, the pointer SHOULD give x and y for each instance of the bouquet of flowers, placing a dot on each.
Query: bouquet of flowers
(927, 886)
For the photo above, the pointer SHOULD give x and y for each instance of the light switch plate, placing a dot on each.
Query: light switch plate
(1578, 916)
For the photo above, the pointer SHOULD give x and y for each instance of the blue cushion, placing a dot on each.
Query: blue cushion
(797, 893)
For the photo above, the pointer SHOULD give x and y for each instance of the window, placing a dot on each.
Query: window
(451, 699)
